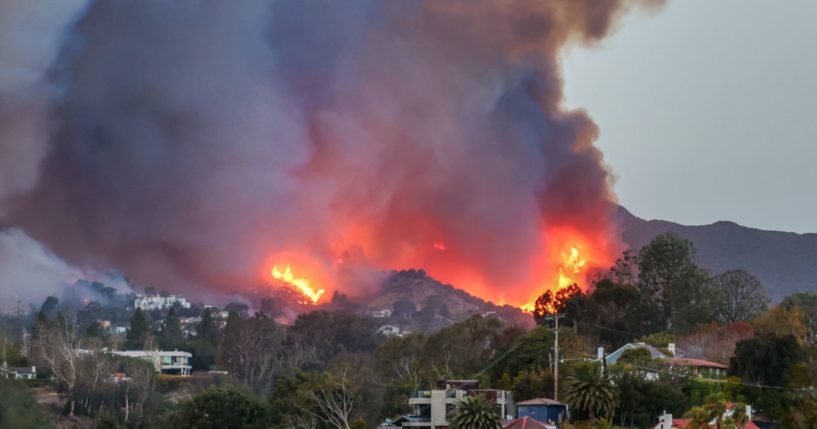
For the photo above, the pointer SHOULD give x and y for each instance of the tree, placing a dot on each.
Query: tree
(765, 360)
(678, 292)
(220, 409)
(475, 412)
(617, 308)
(807, 303)
(208, 329)
(782, 321)
(314, 399)
(252, 351)
(717, 410)
(550, 302)
(139, 332)
(741, 296)
(333, 402)
(532, 384)
(172, 336)
(587, 388)
(136, 390)
(57, 348)
(19, 409)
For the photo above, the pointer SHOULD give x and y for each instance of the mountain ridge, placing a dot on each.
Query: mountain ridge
(786, 262)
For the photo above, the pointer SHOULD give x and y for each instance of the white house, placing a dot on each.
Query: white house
(18, 373)
(165, 362)
(381, 314)
(158, 302)
(390, 331)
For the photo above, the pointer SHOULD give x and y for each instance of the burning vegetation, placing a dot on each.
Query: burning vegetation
(426, 135)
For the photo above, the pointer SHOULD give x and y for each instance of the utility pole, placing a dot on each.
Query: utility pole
(556, 318)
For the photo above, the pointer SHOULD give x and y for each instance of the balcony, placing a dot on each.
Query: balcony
(420, 397)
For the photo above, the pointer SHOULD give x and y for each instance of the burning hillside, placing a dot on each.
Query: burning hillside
(311, 143)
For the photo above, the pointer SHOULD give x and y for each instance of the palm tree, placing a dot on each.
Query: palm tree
(602, 423)
(699, 418)
(739, 419)
(475, 412)
(589, 389)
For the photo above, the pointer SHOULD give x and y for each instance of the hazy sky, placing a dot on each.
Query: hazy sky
(708, 111)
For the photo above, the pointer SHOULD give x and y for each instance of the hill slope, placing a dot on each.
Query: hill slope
(785, 262)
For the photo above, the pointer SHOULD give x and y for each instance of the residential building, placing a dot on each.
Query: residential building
(700, 367)
(432, 407)
(380, 314)
(526, 423)
(666, 421)
(390, 331)
(165, 362)
(697, 367)
(544, 410)
(655, 353)
(117, 330)
(159, 302)
(18, 373)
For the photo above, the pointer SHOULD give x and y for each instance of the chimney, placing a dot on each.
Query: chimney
(665, 421)
(600, 353)
(749, 412)
(671, 348)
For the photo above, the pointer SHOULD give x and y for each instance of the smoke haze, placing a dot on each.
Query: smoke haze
(193, 144)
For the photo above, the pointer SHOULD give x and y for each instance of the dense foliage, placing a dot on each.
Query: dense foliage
(330, 369)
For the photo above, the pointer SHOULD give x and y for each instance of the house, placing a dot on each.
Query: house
(116, 330)
(666, 421)
(390, 331)
(526, 423)
(380, 314)
(544, 410)
(612, 358)
(18, 373)
(159, 302)
(165, 362)
(432, 407)
(698, 367)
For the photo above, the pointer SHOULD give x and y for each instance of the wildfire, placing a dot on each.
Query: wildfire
(572, 266)
(570, 272)
(300, 283)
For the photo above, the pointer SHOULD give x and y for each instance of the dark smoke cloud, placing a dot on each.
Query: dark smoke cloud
(194, 140)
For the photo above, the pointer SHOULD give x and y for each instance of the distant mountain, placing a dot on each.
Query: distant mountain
(785, 262)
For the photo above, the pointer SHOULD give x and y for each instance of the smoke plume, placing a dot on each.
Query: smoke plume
(194, 144)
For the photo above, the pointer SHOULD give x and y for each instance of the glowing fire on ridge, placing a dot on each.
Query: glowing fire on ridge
(570, 272)
(574, 265)
(300, 283)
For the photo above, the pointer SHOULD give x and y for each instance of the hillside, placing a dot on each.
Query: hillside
(420, 303)
(785, 262)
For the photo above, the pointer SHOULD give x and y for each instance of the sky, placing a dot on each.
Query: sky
(707, 111)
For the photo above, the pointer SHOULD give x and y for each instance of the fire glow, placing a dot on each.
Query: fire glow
(300, 283)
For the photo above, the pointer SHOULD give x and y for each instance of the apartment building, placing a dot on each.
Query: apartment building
(431, 408)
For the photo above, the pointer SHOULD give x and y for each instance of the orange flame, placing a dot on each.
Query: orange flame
(572, 266)
(300, 283)
(571, 270)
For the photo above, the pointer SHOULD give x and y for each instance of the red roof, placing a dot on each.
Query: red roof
(695, 362)
(525, 423)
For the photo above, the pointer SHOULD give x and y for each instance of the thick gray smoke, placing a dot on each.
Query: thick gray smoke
(194, 143)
